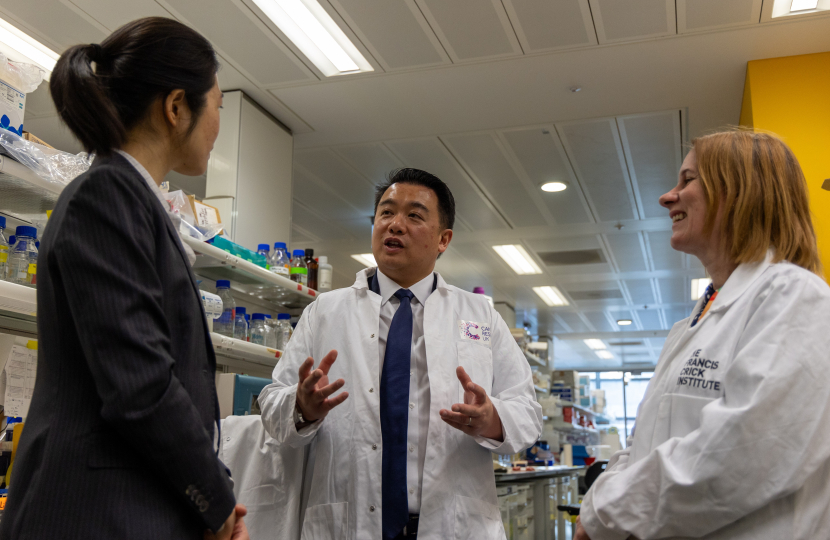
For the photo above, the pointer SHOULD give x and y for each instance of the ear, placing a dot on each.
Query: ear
(444, 241)
(176, 110)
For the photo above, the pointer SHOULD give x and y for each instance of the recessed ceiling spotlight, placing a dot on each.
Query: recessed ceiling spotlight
(624, 322)
(553, 187)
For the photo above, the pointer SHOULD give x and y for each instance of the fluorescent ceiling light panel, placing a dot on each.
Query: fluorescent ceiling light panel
(28, 49)
(553, 187)
(699, 287)
(624, 322)
(366, 259)
(518, 259)
(803, 5)
(315, 33)
(551, 295)
(605, 355)
(595, 344)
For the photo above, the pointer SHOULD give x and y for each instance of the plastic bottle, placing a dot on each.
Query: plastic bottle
(284, 331)
(259, 332)
(240, 326)
(324, 274)
(299, 270)
(224, 325)
(4, 249)
(23, 258)
(272, 325)
(311, 263)
(265, 251)
(280, 263)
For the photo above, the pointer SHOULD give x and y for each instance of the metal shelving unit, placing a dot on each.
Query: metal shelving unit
(23, 193)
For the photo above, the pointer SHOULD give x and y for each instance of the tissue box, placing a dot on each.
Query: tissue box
(12, 107)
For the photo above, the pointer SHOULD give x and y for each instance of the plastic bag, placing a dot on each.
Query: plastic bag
(23, 77)
(50, 164)
(185, 221)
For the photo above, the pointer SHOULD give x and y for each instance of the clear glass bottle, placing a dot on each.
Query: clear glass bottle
(299, 270)
(259, 332)
(224, 325)
(272, 325)
(240, 325)
(324, 274)
(22, 262)
(280, 263)
(265, 251)
(284, 331)
(4, 250)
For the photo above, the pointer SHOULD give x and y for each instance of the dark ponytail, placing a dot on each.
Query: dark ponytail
(103, 91)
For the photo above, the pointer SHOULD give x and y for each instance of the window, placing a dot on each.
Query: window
(622, 410)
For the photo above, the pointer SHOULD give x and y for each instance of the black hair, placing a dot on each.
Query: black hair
(138, 63)
(446, 202)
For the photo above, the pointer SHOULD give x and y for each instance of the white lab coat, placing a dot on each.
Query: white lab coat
(459, 493)
(268, 478)
(732, 438)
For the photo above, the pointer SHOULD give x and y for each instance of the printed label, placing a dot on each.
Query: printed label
(299, 270)
(698, 372)
(33, 269)
(281, 270)
(4, 257)
(474, 331)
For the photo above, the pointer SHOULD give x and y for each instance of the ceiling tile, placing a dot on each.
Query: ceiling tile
(650, 319)
(693, 15)
(633, 19)
(573, 320)
(114, 13)
(260, 54)
(315, 225)
(360, 229)
(407, 43)
(430, 155)
(653, 149)
(641, 291)
(674, 290)
(543, 159)
(59, 26)
(373, 161)
(543, 26)
(299, 237)
(483, 260)
(627, 251)
(663, 255)
(675, 315)
(330, 168)
(600, 322)
(482, 157)
(657, 343)
(596, 155)
(320, 199)
(471, 29)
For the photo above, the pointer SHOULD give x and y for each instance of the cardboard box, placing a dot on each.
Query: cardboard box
(12, 107)
(205, 213)
(31, 138)
(570, 378)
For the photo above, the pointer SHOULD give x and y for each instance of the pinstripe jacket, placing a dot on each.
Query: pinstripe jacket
(119, 438)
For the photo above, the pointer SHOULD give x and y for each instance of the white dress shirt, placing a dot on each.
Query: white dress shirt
(418, 425)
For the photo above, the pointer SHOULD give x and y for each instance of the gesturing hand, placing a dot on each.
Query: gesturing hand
(476, 416)
(314, 389)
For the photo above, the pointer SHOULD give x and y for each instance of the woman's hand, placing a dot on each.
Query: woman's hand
(580, 531)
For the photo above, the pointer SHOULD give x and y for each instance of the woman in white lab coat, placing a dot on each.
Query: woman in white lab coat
(732, 438)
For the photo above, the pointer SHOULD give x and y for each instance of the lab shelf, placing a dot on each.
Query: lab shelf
(214, 263)
(596, 415)
(23, 193)
(534, 360)
(18, 309)
(236, 349)
(560, 425)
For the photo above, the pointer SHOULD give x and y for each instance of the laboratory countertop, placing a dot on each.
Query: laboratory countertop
(539, 472)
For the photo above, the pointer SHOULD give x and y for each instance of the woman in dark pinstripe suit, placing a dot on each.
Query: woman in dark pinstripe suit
(119, 438)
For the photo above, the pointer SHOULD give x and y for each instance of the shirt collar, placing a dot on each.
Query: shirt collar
(740, 280)
(147, 178)
(388, 288)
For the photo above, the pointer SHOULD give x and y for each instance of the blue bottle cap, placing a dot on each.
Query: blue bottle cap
(263, 247)
(267, 316)
(240, 311)
(37, 245)
(258, 317)
(24, 230)
(279, 245)
(2, 222)
(223, 284)
(247, 318)
(283, 317)
(297, 253)
(12, 240)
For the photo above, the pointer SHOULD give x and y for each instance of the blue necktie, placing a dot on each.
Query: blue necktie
(394, 417)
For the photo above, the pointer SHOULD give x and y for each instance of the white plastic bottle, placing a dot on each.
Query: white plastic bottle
(280, 263)
(284, 331)
(240, 325)
(324, 274)
(4, 250)
(224, 325)
(23, 258)
(259, 332)
(299, 270)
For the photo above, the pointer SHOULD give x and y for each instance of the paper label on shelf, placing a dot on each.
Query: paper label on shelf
(20, 372)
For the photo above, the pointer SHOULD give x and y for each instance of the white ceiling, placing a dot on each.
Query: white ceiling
(478, 92)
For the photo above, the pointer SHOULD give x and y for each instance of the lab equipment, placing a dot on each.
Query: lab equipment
(22, 264)
(312, 268)
(283, 331)
(224, 325)
(272, 325)
(324, 274)
(259, 331)
(280, 263)
(213, 307)
(265, 251)
(240, 325)
(299, 269)
(4, 249)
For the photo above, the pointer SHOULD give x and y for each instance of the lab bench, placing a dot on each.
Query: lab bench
(528, 501)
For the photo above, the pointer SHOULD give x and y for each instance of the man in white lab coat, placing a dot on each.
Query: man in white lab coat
(434, 384)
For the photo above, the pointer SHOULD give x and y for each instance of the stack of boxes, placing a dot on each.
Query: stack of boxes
(565, 385)
(598, 401)
(584, 391)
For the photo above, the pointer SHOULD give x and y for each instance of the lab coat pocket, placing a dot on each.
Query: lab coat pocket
(477, 520)
(326, 522)
(477, 361)
(685, 414)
